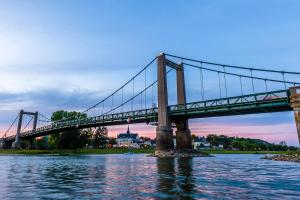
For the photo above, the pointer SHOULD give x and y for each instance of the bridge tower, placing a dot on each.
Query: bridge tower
(295, 103)
(17, 142)
(164, 133)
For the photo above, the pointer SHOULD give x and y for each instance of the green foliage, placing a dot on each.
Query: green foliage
(213, 139)
(62, 115)
(246, 144)
(112, 141)
(41, 143)
(100, 137)
(65, 152)
(72, 139)
(194, 136)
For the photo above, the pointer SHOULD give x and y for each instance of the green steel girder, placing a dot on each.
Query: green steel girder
(275, 101)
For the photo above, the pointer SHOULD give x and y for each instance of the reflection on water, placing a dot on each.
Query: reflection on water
(143, 177)
(175, 182)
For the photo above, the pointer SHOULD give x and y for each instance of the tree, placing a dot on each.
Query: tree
(145, 138)
(238, 145)
(100, 137)
(194, 136)
(41, 143)
(212, 139)
(72, 139)
(112, 141)
(224, 140)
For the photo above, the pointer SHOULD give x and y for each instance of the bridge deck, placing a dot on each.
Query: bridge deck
(274, 101)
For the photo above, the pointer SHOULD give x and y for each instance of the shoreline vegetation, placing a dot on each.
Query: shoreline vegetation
(123, 151)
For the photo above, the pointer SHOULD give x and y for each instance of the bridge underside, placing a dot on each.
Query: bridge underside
(203, 109)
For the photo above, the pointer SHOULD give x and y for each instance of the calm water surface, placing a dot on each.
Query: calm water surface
(142, 177)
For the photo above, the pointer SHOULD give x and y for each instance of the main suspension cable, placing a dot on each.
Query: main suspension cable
(136, 95)
(231, 66)
(122, 85)
(245, 76)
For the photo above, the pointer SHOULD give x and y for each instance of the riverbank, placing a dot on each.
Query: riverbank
(220, 151)
(120, 151)
(74, 152)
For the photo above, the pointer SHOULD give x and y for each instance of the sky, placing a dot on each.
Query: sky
(65, 54)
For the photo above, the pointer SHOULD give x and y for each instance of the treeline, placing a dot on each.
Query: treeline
(73, 139)
(246, 144)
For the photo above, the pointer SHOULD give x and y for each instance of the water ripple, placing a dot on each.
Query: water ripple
(142, 177)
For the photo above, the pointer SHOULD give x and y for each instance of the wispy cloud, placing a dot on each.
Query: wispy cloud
(68, 55)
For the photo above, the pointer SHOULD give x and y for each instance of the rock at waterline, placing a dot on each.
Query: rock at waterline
(180, 153)
(292, 157)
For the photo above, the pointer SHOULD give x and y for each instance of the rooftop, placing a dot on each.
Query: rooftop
(128, 134)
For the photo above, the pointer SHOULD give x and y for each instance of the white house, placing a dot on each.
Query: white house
(128, 140)
(200, 143)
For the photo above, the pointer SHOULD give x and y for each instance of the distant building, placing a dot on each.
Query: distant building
(128, 140)
(200, 143)
(282, 143)
(145, 142)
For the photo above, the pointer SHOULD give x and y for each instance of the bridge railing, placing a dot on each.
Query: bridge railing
(132, 115)
(272, 96)
(151, 114)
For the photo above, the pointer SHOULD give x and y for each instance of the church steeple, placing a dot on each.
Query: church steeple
(128, 131)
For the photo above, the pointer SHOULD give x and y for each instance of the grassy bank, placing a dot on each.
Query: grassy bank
(74, 152)
(120, 151)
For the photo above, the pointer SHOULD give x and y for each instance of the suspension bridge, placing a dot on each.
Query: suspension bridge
(218, 90)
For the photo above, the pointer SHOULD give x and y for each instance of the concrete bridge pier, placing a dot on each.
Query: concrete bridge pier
(183, 133)
(295, 103)
(164, 133)
(17, 143)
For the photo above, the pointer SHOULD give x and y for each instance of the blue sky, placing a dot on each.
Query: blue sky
(69, 54)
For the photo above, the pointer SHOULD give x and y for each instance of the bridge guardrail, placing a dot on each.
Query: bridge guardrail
(273, 96)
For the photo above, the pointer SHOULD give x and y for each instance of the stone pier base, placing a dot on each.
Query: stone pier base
(164, 139)
(180, 153)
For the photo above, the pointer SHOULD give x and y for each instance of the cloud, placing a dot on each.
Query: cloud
(69, 55)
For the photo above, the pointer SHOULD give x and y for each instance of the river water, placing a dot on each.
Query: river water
(143, 177)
